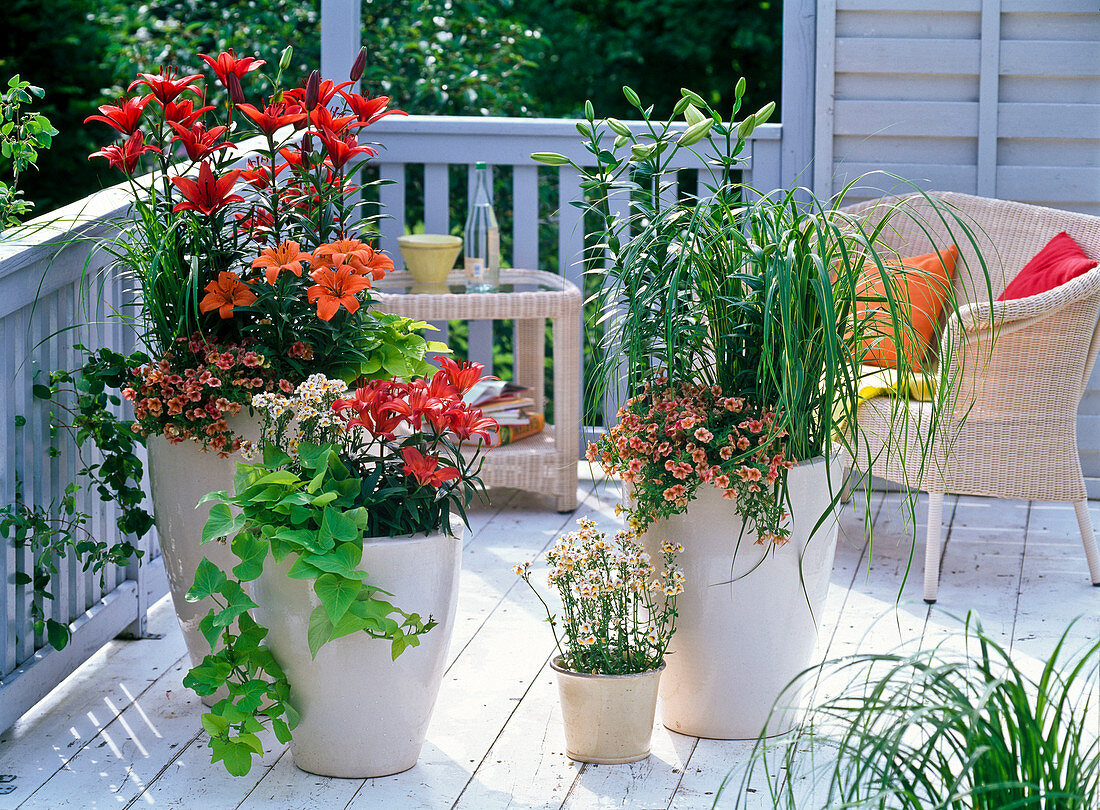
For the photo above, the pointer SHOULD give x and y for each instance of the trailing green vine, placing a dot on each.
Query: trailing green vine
(59, 530)
(305, 506)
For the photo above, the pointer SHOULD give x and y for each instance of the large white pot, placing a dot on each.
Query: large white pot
(179, 475)
(747, 620)
(362, 713)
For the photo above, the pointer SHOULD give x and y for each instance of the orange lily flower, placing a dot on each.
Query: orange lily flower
(225, 293)
(335, 287)
(284, 256)
(360, 256)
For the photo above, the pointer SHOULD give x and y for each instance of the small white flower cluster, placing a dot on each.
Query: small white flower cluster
(306, 415)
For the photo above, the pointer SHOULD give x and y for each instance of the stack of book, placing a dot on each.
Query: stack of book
(511, 405)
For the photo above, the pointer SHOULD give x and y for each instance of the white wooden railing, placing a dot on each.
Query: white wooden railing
(50, 282)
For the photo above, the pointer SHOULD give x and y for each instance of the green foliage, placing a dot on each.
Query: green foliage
(52, 533)
(58, 45)
(306, 513)
(945, 728)
(22, 135)
(117, 475)
(452, 57)
(654, 46)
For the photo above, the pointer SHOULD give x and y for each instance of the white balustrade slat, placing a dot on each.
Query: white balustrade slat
(480, 332)
(8, 561)
(525, 217)
(392, 196)
(437, 215)
(24, 453)
(571, 247)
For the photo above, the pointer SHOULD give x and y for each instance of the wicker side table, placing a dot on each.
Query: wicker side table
(546, 462)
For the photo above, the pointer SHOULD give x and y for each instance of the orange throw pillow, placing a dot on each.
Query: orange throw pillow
(923, 283)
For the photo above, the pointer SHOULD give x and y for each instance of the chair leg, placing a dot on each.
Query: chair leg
(1088, 537)
(846, 488)
(933, 548)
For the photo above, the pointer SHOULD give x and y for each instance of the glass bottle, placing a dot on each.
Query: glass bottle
(482, 238)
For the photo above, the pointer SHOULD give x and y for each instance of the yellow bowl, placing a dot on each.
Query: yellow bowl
(429, 256)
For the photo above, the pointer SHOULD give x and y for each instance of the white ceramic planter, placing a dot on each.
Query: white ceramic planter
(362, 713)
(745, 627)
(608, 718)
(179, 475)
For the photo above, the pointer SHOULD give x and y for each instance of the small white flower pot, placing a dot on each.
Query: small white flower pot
(608, 718)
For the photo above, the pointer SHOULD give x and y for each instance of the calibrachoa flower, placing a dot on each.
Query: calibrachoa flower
(191, 391)
(618, 610)
(670, 440)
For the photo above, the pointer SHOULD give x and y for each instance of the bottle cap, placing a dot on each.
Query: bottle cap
(480, 164)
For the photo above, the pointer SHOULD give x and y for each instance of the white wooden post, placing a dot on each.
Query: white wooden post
(341, 37)
(796, 110)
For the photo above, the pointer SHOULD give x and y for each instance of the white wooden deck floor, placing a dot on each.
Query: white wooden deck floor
(123, 732)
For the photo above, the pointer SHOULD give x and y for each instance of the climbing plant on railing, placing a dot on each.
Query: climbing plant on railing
(55, 531)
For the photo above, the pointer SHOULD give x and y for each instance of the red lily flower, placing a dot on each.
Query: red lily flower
(165, 87)
(199, 141)
(125, 116)
(325, 91)
(342, 149)
(324, 121)
(470, 422)
(378, 407)
(335, 287)
(228, 62)
(183, 112)
(426, 469)
(125, 157)
(258, 225)
(225, 293)
(461, 375)
(274, 116)
(209, 193)
(368, 110)
(260, 175)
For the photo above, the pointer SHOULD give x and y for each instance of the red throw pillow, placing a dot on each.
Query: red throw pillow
(1060, 261)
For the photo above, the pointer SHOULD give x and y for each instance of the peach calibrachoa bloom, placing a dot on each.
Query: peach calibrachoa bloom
(284, 256)
(225, 293)
(670, 440)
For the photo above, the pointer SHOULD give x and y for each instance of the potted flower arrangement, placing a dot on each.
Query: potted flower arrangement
(346, 530)
(741, 320)
(618, 615)
(252, 263)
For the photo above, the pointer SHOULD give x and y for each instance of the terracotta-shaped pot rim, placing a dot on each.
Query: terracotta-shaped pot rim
(556, 664)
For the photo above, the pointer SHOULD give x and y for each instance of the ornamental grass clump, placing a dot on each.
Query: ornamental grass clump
(945, 728)
(618, 610)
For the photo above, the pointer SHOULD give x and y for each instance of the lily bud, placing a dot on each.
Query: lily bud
(589, 111)
(284, 59)
(307, 143)
(358, 65)
(313, 88)
(233, 85)
(550, 158)
(632, 97)
(764, 113)
(693, 115)
(696, 132)
(746, 127)
(739, 90)
(694, 97)
(641, 151)
(618, 127)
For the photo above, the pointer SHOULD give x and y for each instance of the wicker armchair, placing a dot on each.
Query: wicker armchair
(1020, 394)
